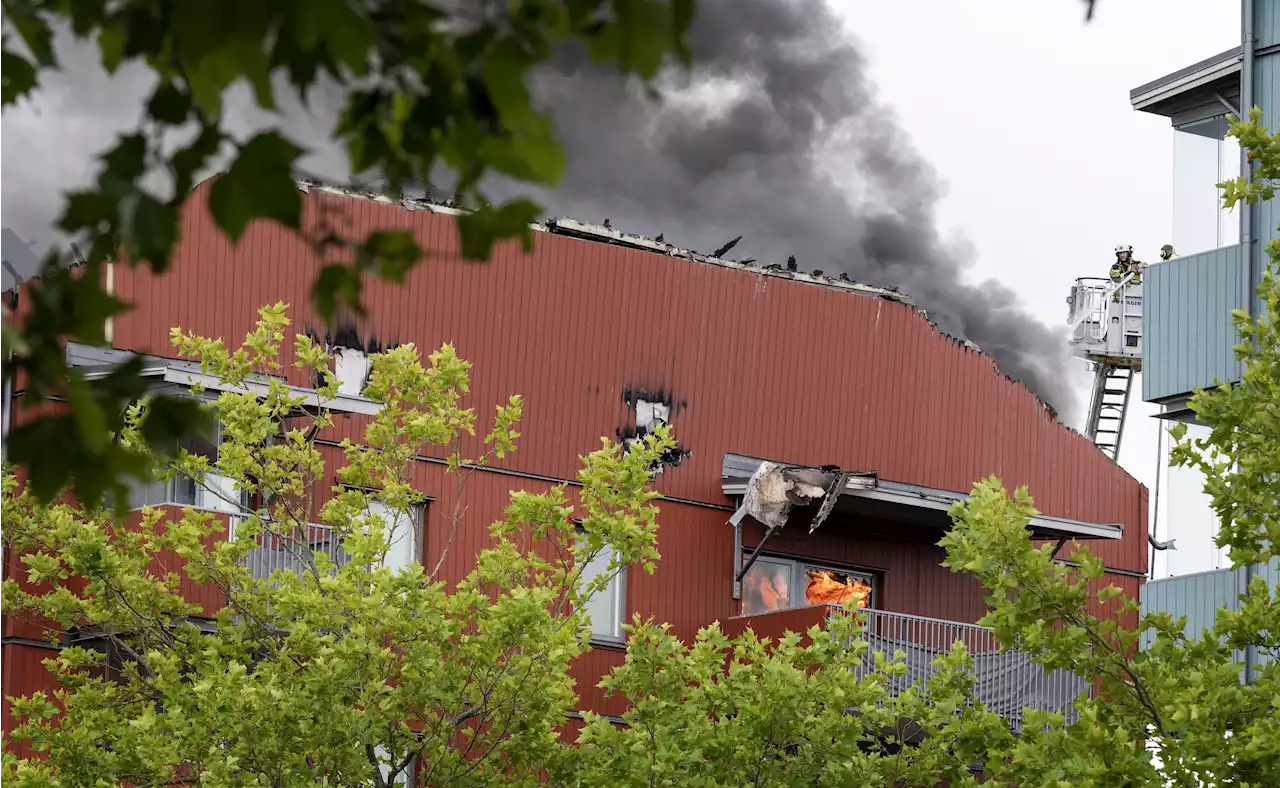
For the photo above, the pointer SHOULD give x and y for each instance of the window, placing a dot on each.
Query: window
(1203, 156)
(215, 492)
(606, 608)
(403, 534)
(781, 584)
(404, 777)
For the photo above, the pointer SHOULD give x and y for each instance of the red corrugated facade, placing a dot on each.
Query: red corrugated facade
(754, 364)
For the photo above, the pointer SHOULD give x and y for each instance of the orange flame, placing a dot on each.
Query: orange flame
(773, 591)
(772, 599)
(826, 589)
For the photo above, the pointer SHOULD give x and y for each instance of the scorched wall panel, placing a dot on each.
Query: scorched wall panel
(753, 364)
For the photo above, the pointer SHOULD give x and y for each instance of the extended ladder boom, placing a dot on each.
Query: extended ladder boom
(1107, 407)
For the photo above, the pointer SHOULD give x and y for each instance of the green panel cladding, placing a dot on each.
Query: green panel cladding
(1187, 332)
(1200, 596)
(1266, 96)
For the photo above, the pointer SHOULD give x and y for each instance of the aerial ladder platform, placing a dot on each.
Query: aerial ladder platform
(1106, 330)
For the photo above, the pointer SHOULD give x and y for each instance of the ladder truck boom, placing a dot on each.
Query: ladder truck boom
(1106, 330)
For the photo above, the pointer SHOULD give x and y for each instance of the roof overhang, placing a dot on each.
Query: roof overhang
(868, 495)
(1176, 409)
(183, 375)
(1201, 90)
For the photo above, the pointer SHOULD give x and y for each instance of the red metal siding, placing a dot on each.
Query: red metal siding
(24, 674)
(774, 625)
(757, 365)
(760, 365)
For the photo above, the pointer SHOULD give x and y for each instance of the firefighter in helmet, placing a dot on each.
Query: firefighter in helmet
(1166, 252)
(1124, 266)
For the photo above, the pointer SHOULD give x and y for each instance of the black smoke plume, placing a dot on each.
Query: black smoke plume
(775, 134)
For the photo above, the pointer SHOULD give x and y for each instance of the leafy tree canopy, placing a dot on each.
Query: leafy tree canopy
(341, 668)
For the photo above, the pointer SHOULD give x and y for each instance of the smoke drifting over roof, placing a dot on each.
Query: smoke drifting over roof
(776, 135)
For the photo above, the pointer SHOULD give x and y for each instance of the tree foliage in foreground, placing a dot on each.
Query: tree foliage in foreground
(356, 673)
(359, 674)
(353, 674)
(426, 83)
(344, 674)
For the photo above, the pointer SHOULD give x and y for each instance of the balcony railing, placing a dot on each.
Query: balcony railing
(292, 552)
(1008, 682)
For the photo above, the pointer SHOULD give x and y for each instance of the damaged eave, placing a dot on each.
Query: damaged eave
(340, 403)
(96, 363)
(867, 494)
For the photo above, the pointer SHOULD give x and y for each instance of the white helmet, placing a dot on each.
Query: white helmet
(1124, 248)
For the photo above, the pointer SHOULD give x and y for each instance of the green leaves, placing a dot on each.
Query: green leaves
(351, 659)
(480, 229)
(17, 77)
(259, 185)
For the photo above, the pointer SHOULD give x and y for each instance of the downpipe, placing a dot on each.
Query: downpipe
(1246, 240)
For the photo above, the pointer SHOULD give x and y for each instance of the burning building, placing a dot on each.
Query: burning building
(824, 426)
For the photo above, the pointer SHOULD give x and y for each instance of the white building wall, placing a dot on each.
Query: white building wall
(1188, 518)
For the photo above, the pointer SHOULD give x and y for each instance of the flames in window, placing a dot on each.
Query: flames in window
(826, 588)
(774, 584)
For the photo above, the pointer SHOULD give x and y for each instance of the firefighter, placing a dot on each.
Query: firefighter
(1124, 266)
(1166, 252)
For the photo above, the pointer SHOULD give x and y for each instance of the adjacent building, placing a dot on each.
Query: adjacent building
(1189, 337)
(845, 392)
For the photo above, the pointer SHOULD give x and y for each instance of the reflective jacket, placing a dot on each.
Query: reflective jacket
(1120, 270)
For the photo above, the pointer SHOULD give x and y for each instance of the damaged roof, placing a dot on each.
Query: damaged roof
(606, 234)
(597, 233)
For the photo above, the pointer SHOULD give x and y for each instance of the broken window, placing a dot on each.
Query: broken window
(649, 414)
(352, 368)
(773, 584)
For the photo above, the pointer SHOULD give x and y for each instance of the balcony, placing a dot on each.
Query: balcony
(293, 553)
(1189, 337)
(1008, 682)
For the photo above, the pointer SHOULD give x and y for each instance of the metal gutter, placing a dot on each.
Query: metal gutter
(342, 403)
(1170, 85)
(943, 500)
(737, 470)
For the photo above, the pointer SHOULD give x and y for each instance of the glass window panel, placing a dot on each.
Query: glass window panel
(402, 536)
(203, 445)
(1196, 212)
(1228, 167)
(219, 493)
(605, 608)
(766, 587)
(1190, 519)
(779, 584)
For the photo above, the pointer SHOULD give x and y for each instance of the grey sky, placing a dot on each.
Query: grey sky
(1024, 111)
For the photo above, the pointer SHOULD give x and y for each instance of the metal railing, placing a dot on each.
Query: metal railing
(1007, 681)
(292, 552)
